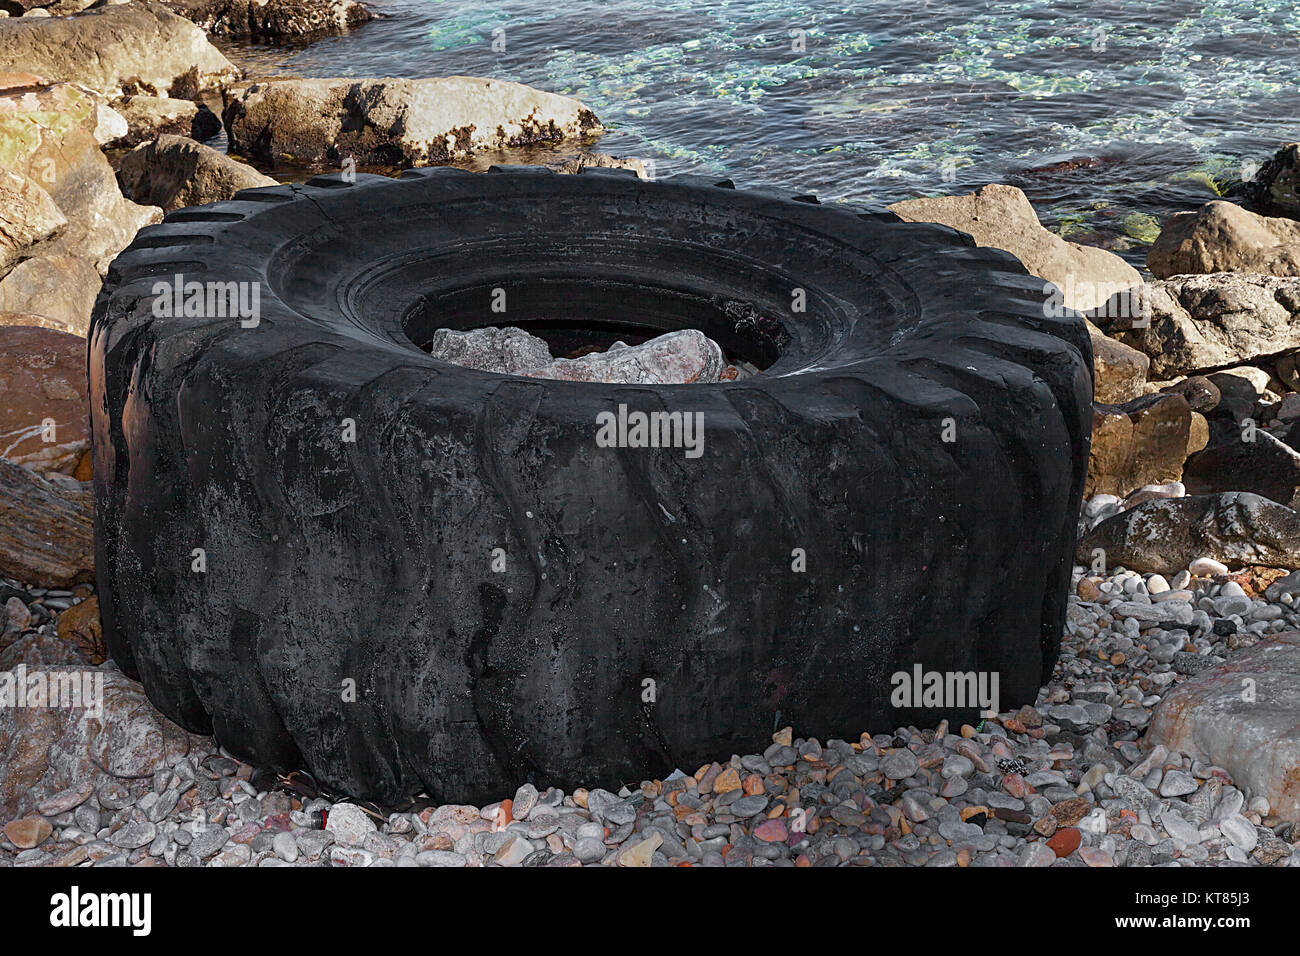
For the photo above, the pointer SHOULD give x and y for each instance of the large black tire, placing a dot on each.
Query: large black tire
(922, 434)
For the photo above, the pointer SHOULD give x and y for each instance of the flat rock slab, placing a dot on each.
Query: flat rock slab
(1243, 716)
(1164, 535)
(394, 122)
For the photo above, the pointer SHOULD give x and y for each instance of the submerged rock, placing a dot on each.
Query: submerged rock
(1275, 188)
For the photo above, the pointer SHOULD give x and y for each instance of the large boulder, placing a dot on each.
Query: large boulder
(1141, 442)
(138, 47)
(1002, 217)
(394, 122)
(1223, 237)
(62, 289)
(175, 171)
(27, 216)
(1165, 535)
(1241, 716)
(46, 528)
(49, 134)
(1200, 322)
(44, 418)
(269, 20)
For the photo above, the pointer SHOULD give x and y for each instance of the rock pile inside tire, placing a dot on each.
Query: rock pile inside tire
(337, 553)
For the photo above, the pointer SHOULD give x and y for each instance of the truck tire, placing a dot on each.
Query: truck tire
(337, 553)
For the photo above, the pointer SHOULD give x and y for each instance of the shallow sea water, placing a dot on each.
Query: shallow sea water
(1111, 115)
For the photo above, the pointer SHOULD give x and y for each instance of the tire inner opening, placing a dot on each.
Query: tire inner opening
(579, 315)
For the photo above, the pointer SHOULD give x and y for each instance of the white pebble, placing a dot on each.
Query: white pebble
(1156, 584)
(1203, 567)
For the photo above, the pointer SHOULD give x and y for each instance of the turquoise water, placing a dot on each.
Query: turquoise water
(1110, 115)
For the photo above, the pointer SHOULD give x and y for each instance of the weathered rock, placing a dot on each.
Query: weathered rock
(138, 47)
(1198, 434)
(394, 122)
(349, 824)
(35, 321)
(175, 171)
(27, 216)
(1241, 389)
(672, 359)
(44, 418)
(1165, 535)
(1288, 370)
(1237, 459)
(508, 351)
(678, 358)
(206, 124)
(1274, 190)
(81, 627)
(62, 289)
(1200, 322)
(48, 133)
(576, 164)
(28, 832)
(1002, 217)
(1223, 237)
(1201, 393)
(46, 528)
(1240, 716)
(1141, 442)
(150, 116)
(268, 20)
(58, 746)
(38, 648)
(1119, 371)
